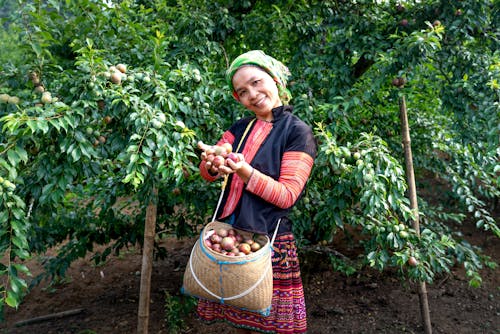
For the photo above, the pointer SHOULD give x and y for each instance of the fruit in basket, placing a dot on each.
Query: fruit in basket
(234, 252)
(215, 238)
(255, 246)
(222, 232)
(227, 243)
(245, 248)
(217, 248)
(238, 237)
(231, 242)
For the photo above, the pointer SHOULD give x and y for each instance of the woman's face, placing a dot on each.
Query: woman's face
(257, 91)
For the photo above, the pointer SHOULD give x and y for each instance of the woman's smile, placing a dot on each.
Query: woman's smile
(256, 91)
(260, 101)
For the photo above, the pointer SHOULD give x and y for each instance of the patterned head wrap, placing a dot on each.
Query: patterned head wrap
(277, 70)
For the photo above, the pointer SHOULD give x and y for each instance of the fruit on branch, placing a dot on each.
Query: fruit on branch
(39, 89)
(4, 98)
(398, 82)
(13, 100)
(46, 98)
(116, 77)
(122, 68)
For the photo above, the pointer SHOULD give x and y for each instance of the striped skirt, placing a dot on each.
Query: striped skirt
(288, 310)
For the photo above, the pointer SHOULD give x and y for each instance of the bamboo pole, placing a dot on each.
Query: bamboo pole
(147, 264)
(51, 316)
(410, 175)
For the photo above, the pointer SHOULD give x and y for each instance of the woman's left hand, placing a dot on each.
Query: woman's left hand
(238, 166)
(233, 164)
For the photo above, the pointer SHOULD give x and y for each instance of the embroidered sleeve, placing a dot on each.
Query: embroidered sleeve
(205, 174)
(294, 172)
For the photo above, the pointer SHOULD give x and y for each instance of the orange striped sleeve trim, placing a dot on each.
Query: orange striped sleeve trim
(294, 172)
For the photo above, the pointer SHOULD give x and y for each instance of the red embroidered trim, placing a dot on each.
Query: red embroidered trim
(255, 139)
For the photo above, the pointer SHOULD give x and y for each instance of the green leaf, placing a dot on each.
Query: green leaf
(37, 49)
(23, 269)
(13, 157)
(134, 158)
(13, 300)
(19, 241)
(76, 154)
(43, 126)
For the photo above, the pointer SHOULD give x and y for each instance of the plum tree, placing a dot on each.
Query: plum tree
(147, 115)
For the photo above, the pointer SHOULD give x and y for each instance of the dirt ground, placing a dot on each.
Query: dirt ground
(104, 299)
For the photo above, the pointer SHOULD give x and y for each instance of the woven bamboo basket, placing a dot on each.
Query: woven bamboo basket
(245, 282)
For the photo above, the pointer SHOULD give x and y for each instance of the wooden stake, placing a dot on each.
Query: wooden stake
(410, 175)
(147, 264)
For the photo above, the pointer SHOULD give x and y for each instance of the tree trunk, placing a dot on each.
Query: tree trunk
(410, 175)
(147, 264)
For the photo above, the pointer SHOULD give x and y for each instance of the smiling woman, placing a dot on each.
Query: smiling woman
(277, 152)
(256, 91)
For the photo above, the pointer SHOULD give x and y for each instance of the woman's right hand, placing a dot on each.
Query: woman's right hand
(208, 156)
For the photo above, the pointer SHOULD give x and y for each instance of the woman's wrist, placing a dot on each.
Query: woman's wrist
(247, 173)
(251, 174)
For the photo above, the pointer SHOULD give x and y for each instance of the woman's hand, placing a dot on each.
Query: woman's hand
(208, 156)
(220, 162)
(232, 164)
(238, 166)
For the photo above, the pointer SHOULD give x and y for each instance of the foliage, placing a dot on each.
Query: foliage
(82, 146)
(177, 308)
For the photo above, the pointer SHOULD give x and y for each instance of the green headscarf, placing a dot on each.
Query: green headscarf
(276, 69)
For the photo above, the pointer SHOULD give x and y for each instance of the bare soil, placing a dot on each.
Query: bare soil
(104, 299)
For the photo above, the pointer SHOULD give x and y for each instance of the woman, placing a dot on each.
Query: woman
(276, 158)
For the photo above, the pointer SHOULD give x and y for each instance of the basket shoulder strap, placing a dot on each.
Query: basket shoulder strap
(226, 176)
(245, 134)
(275, 232)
